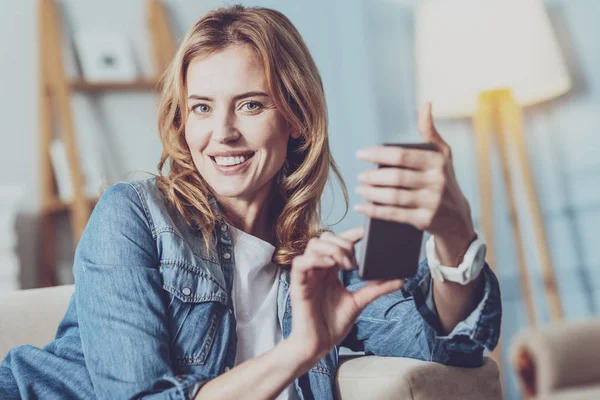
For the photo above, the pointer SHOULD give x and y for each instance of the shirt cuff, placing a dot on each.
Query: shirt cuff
(482, 326)
(187, 386)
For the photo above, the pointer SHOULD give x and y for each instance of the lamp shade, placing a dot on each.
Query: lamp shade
(465, 47)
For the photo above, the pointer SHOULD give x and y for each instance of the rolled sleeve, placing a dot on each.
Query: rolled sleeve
(182, 386)
(405, 323)
(481, 328)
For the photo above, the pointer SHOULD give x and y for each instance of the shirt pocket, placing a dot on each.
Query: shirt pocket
(196, 306)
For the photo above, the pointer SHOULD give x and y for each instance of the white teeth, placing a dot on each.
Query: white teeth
(228, 161)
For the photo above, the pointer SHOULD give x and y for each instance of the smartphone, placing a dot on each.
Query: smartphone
(390, 250)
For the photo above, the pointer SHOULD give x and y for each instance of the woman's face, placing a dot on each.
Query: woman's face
(237, 137)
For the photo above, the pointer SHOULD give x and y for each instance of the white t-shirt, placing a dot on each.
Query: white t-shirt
(255, 282)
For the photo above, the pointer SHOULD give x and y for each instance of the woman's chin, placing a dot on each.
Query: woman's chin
(230, 189)
(249, 191)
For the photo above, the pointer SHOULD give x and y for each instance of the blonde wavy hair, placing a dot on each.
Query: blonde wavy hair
(297, 90)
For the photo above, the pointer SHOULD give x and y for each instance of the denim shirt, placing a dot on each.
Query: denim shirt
(152, 313)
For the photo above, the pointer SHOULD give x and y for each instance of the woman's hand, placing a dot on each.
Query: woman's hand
(323, 310)
(419, 187)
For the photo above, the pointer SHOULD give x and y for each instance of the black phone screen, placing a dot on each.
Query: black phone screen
(391, 250)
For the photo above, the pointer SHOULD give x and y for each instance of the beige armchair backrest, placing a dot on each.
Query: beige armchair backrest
(31, 316)
(558, 357)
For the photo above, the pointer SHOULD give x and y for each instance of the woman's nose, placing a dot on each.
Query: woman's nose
(224, 129)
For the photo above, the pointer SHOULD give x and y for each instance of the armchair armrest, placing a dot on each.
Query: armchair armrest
(557, 356)
(372, 377)
(31, 316)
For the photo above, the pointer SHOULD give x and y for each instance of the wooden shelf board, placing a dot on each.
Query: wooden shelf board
(142, 84)
(57, 206)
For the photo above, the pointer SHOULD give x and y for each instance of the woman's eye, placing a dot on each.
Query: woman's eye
(252, 106)
(201, 109)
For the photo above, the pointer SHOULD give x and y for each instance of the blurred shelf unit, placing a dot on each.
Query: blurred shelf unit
(57, 123)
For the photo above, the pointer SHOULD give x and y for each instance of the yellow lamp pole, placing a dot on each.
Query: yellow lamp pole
(499, 117)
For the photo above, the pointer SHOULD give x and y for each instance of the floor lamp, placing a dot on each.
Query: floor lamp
(485, 60)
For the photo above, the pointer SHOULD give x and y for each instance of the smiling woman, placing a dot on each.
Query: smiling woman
(186, 282)
(237, 119)
(249, 88)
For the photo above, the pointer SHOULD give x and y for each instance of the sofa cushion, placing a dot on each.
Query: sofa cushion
(34, 315)
(372, 377)
(580, 393)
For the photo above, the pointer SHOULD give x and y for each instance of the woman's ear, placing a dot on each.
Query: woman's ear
(295, 134)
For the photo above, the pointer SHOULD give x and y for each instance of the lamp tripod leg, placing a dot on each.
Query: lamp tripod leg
(504, 124)
(514, 131)
(483, 125)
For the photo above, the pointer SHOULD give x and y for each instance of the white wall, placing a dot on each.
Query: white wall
(18, 91)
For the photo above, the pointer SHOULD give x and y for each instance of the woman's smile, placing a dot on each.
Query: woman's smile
(237, 136)
(234, 164)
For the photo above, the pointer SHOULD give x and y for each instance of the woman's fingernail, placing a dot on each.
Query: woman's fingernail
(362, 176)
(361, 153)
(329, 260)
(359, 189)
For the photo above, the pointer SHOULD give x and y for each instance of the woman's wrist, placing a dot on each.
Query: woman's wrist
(261, 377)
(298, 354)
(450, 249)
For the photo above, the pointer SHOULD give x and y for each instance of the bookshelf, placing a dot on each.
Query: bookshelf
(56, 121)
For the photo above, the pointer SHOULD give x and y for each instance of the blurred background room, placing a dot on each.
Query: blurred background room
(515, 87)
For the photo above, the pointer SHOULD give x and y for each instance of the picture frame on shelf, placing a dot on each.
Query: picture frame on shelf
(105, 57)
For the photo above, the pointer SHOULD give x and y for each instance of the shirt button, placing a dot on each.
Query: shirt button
(226, 369)
(223, 227)
(227, 256)
(187, 291)
(180, 378)
(230, 311)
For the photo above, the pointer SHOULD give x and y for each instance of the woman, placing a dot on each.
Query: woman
(215, 278)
